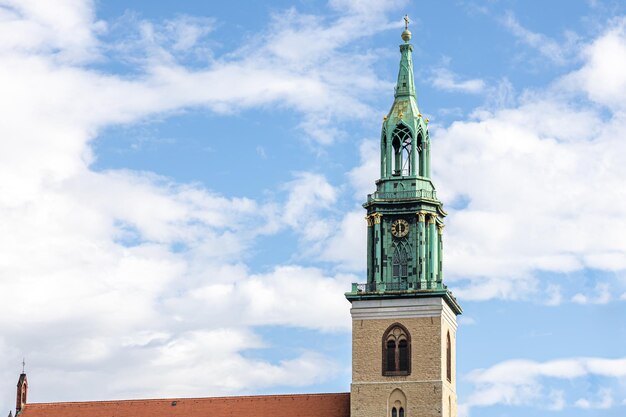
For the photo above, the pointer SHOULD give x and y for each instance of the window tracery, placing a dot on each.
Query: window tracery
(396, 351)
(402, 146)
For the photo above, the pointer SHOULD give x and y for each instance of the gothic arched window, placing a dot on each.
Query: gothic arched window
(401, 142)
(420, 151)
(400, 265)
(396, 351)
(448, 358)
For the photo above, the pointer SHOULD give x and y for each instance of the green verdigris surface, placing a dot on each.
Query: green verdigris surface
(404, 216)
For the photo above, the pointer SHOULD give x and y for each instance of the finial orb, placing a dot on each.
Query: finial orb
(406, 35)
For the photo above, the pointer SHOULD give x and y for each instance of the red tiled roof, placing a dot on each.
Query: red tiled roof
(300, 405)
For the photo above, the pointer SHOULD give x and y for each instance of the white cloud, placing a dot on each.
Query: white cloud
(602, 77)
(604, 401)
(362, 178)
(519, 180)
(308, 193)
(600, 295)
(557, 52)
(556, 400)
(99, 266)
(527, 174)
(554, 296)
(288, 295)
(347, 244)
(191, 363)
(522, 382)
(65, 29)
(446, 80)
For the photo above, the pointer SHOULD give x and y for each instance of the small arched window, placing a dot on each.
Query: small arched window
(396, 351)
(448, 358)
(397, 403)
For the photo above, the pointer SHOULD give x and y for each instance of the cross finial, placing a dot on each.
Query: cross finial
(406, 35)
(23, 365)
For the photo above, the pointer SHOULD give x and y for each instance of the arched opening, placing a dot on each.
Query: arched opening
(401, 142)
(397, 156)
(396, 351)
(420, 153)
(400, 265)
(448, 358)
(397, 403)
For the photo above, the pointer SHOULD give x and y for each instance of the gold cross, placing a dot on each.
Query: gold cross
(406, 22)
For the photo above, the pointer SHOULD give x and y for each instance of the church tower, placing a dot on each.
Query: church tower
(404, 317)
(22, 392)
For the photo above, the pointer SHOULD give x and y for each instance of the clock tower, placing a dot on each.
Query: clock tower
(404, 317)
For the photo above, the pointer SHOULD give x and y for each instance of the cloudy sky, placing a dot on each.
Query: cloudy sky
(181, 188)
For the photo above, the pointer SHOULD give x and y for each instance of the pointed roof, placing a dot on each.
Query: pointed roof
(406, 82)
(404, 109)
(22, 380)
(300, 405)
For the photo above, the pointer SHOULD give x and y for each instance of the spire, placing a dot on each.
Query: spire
(404, 216)
(405, 147)
(22, 391)
(406, 83)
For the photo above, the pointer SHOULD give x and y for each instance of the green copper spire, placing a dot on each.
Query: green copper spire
(401, 157)
(406, 83)
(404, 216)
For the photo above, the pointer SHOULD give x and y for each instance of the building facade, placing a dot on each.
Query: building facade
(403, 316)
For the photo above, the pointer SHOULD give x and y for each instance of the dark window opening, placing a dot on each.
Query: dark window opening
(396, 351)
(448, 358)
(401, 412)
(403, 356)
(394, 412)
(391, 356)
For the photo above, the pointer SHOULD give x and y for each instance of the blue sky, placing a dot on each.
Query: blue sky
(180, 191)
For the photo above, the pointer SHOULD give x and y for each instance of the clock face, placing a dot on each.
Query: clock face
(400, 228)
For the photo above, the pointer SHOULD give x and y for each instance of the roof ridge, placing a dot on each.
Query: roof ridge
(316, 394)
